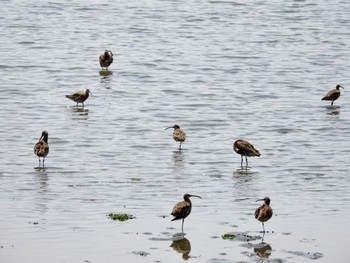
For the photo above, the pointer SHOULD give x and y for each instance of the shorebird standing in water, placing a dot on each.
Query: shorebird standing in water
(264, 212)
(182, 209)
(80, 96)
(106, 59)
(245, 148)
(178, 134)
(41, 148)
(333, 94)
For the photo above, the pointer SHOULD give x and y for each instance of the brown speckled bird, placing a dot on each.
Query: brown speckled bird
(79, 96)
(182, 209)
(41, 148)
(333, 94)
(264, 212)
(178, 134)
(245, 148)
(106, 59)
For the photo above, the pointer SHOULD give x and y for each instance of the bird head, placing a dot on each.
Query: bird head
(88, 91)
(266, 200)
(187, 196)
(44, 135)
(339, 86)
(174, 127)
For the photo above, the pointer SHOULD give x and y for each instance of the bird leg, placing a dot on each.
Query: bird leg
(39, 162)
(241, 161)
(182, 226)
(180, 146)
(332, 103)
(43, 161)
(263, 227)
(246, 162)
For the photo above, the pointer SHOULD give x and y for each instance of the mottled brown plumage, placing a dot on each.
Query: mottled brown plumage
(264, 212)
(333, 94)
(106, 59)
(244, 148)
(41, 148)
(182, 209)
(178, 134)
(80, 96)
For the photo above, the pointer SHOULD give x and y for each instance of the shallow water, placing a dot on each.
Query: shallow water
(222, 70)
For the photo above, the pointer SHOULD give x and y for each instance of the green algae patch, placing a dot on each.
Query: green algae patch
(120, 217)
(228, 236)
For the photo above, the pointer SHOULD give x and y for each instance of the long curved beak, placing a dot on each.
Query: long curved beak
(167, 128)
(90, 92)
(196, 196)
(259, 200)
(342, 87)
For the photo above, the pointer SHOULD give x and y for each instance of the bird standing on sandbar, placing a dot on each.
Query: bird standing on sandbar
(333, 94)
(79, 96)
(182, 209)
(264, 212)
(106, 59)
(178, 134)
(41, 148)
(245, 148)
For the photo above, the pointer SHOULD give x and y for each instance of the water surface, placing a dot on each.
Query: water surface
(222, 70)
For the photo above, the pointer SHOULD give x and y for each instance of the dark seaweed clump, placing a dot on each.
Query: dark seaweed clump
(120, 217)
(228, 236)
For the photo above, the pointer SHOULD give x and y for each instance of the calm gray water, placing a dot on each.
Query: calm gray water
(222, 70)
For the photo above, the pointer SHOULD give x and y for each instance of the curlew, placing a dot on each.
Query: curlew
(264, 212)
(79, 96)
(182, 209)
(333, 94)
(178, 134)
(41, 148)
(106, 59)
(245, 148)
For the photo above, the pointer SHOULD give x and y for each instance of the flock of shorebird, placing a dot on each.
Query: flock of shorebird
(182, 209)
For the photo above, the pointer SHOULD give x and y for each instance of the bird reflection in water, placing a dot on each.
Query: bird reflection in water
(263, 250)
(105, 74)
(106, 77)
(182, 246)
(333, 110)
(178, 158)
(80, 113)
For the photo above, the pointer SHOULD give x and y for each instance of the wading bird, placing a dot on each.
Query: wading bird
(106, 59)
(244, 148)
(178, 134)
(333, 94)
(264, 212)
(79, 96)
(182, 209)
(41, 148)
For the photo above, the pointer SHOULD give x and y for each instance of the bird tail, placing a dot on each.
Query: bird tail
(256, 153)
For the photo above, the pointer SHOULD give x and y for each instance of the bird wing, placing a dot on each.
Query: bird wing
(41, 149)
(179, 135)
(181, 210)
(332, 95)
(245, 148)
(263, 213)
(78, 96)
(257, 211)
